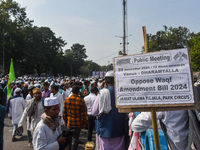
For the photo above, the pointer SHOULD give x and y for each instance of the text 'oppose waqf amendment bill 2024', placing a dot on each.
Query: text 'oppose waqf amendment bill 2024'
(154, 78)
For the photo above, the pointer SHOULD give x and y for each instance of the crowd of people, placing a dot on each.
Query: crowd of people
(57, 108)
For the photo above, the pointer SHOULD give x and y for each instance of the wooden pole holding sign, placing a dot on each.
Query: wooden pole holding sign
(153, 109)
(155, 128)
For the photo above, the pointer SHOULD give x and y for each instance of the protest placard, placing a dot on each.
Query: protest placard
(161, 79)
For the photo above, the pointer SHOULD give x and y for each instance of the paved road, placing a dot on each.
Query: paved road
(22, 144)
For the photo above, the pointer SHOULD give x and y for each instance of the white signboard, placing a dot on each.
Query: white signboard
(154, 78)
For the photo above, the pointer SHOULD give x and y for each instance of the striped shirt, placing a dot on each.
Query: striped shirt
(74, 111)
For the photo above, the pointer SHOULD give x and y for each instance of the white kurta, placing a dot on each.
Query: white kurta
(17, 106)
(176, 123)
(89, 100)
(65, 95)
(60, 101)
(28, 97)
(44, 138)
(68, 91)
(61, 104)
(34, 119)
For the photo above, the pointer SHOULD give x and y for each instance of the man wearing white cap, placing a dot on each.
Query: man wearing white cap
(93, 83)
(99, 83)
(17, 106)
(110, 125)
(68, 89)
(47, 131)
(55, 93)
(33, 111)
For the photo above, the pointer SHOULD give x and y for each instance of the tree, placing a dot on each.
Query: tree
(75, 58)
(169, 38)
(194, 45)
(33, 49)
(43, 48)
(13, 20)
(107, 67)
(88, 67)
(11, 12)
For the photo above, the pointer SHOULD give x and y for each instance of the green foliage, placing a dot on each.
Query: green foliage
(88, 67)
(107, 67)
(174, 38)
(43, 49)
(12, 22)
(75, 58)
(33, 49)
(169, 38)
(36, 50)
(194, 45)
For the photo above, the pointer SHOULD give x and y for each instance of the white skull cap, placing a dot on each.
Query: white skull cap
(50, 101)
(93, 81)
(109, 74)
(17, 90)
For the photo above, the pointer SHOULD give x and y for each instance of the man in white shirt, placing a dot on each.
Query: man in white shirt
(33, 110)
(55, 93)
(17, 106)
(68, 89)
(110, 125)
(29, 97)
(89, 100)
(62, 91)
(30, 92)
(46, 133)
(176, 123)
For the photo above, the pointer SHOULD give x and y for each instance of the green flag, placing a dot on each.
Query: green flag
(10, 79)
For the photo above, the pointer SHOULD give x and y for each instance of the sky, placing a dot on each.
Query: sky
(98, 24)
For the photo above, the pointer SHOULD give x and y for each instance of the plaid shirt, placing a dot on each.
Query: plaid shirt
(74, 111)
